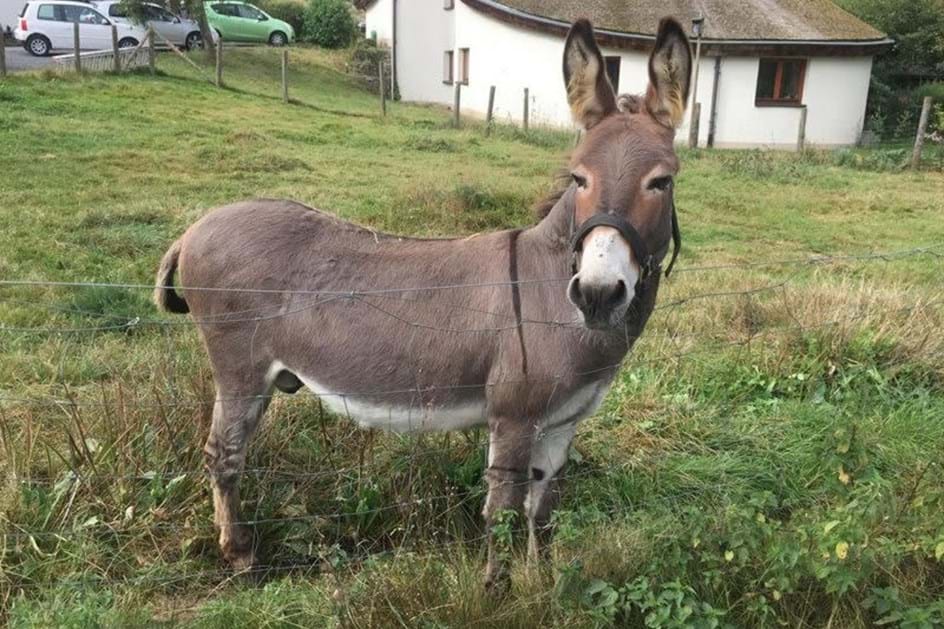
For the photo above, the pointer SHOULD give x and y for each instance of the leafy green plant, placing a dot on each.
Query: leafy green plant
(329, 23)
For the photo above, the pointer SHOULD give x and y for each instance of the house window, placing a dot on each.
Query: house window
(448, 4)
(780, 82)
(613, 71)
(447, 67)
(464, 66)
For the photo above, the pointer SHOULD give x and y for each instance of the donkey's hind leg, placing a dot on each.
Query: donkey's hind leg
(236, 415)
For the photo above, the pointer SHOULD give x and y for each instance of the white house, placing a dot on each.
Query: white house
(762, 61)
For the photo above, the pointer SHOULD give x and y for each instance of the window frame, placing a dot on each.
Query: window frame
(449, 74)
(776, 100)
(258, 17)
(463, 66)
(54, 18)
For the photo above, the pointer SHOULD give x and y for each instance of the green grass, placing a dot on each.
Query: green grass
(763, 459)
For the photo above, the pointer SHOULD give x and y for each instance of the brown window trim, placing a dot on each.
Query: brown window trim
(463, 66)
(783, 102)
(452, 66)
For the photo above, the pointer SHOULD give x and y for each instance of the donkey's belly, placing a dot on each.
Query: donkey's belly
(400, 411)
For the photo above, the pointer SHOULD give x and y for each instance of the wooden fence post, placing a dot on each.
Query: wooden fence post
(801, 130)
(76, 47)
(152, 53)
(3, 58)
(922, 129)
(219, 62)
(285, 76)
(526, 113)
(491, 109)
(116, 61)
(383, 88)
(694, 125)
(456, 104)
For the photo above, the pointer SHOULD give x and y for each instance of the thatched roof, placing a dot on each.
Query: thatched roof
(778, 20)
(731, 27)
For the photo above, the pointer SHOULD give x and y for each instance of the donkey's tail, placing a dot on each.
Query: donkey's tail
(165, 296)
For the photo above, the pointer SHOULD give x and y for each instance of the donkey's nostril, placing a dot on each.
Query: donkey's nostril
(619, 294)
(597, 301)
(573, 292)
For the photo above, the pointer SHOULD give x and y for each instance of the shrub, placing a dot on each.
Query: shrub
(329, 23)
(291, 11)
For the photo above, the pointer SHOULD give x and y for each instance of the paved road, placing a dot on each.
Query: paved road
(19, 60)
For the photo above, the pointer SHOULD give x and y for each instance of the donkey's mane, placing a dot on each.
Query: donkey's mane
(543, 206)
(627, 103)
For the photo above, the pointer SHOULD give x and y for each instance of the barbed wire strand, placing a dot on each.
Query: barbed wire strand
(630, 361)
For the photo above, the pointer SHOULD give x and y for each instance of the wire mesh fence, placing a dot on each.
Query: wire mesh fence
(342, 535)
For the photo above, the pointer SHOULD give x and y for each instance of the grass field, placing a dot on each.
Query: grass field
(770, 454)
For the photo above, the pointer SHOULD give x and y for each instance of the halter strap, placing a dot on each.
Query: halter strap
(647, 261)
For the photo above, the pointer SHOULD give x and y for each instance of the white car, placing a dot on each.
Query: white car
(177, 30)
(47, 25)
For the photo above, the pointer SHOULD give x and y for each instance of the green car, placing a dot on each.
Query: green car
(238, 21)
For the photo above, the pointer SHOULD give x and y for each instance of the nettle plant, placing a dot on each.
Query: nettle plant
(762, 560)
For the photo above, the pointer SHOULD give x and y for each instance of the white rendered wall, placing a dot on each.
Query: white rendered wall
(835, 93)
(511, 59)
(379, 20)
(424, 32)
(706, 81)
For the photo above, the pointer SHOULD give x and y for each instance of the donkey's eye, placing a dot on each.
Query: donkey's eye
(660, 183)
(580, 180)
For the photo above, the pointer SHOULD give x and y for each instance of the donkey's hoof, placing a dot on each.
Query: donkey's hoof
(243, 562)
(497, 585)
(240, 556)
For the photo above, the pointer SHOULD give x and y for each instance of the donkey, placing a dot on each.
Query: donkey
(521, 330)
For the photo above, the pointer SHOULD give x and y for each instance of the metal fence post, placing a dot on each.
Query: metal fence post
(526, 113)
(76, 47)
(456, 104)
(922, 129)
(491, 109)
(3, 58)
(116, 61)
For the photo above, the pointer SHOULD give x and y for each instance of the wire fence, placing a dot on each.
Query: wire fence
(677, 344)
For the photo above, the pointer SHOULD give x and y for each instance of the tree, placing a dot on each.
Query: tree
(917, 26)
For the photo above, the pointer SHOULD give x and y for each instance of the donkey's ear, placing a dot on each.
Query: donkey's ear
(589, 92)
(670, 74)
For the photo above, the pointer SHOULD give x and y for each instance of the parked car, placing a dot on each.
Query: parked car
(47, 25)
(239, 21)
(175, 29)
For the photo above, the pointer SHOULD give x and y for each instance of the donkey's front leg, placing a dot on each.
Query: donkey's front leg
(548, 458)
(509, 453)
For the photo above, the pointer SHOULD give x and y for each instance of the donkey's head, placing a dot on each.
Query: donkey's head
(623, 171)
